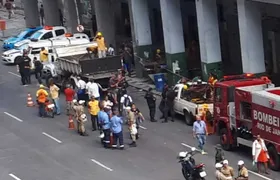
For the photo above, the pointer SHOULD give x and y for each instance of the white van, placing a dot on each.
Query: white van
(12, 55)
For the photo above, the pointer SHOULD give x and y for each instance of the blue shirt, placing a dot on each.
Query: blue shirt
(103, 119)
(116, 124)
(199, 127)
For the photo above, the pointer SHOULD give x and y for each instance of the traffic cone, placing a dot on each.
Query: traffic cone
(30, 102)
(71, 123)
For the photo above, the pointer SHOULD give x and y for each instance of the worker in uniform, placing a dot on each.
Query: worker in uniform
(101, 45)
(80, 111)
(132, 126)
(162, 105)
(41, 95)
(227, 170)
(242, 171)
(158, 56)
(75, 105)
(116, 127)
(151, 101)
(219, 175)
(170, 97)
(24, 68)
(93, 107)
(104, 122)
(44, 55)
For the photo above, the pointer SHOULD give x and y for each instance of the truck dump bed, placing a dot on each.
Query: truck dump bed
(87, 65)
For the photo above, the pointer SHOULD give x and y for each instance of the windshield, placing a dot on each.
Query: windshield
(36, 35)
(22, 47)
(22, 34)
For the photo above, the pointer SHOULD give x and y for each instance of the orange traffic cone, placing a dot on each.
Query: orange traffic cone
(29, 100)
(71, 123)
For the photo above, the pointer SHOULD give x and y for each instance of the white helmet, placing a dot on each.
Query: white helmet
(240, 163)
(182, 154)
(218, 165)
(225, 162)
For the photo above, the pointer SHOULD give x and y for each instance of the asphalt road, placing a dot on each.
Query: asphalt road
(32, 148)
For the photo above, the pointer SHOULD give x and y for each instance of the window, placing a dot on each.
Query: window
(176, 90)
(35, 51)
(48, 35)
(29, 34)
(59, 32)
(246, 110)
(218, 94)
(231, 94)
(50, 51)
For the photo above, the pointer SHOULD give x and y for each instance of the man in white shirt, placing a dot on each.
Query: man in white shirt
(111, 51)
(93, 89)
(81, 85)
(125, 102)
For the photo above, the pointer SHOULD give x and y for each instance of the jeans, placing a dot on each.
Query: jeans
(41, 109)
(38, 75)
(57, 106)
(118, 137)
(201, 138)
(152, 113)
(94, 121)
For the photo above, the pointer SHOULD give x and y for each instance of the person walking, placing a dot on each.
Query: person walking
(104, 122)
(101, 45)
(200, 133)
(116, 128)
(127, 60)
(54, 91)
(260, 154)
(41, 95)
(242, 171)
(132, 126)
(38, 69)
(151, 101)
(93, 107)
(80, 112)
(138, 117)
(42, 14)
(69, 97)
(227, 170)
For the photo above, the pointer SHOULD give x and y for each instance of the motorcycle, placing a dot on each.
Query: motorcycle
(49, 109)
(190, 170)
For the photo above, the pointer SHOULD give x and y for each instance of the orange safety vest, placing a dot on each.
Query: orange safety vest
(42, 96)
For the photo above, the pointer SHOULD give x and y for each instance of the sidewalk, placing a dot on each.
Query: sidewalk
(14, 25)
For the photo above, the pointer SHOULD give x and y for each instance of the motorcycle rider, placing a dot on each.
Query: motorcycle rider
(219, 175)
(227, 170)
(242, 171)
(151, 101)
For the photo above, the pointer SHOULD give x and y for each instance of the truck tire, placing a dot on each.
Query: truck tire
(17, 59)
(188, 118)
(274, 157)
(224, 139)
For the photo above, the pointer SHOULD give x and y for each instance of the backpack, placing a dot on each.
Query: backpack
(127, 101)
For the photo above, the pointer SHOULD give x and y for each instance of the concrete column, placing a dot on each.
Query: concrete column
(105, 20)
(209, 38)
(51, 12)
(173, 34)
(71, 15)
(31, 12)
(251, 38)
(141, 28)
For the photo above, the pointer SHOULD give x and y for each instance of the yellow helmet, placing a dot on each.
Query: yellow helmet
(158, 50)
(185, 87)
(99, 34)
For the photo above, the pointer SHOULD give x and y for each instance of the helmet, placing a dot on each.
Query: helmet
(225, 162)
(240, 163)
(99, 34)
(41, 86)
(218, 165)
(185, 87)
(158, 50)
(182, 154)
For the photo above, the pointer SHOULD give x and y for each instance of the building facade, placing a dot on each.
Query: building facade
(233, 36)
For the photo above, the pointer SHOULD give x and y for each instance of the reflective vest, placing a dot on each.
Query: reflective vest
(42, 95)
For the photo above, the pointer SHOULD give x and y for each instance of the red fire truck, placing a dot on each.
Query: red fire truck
(245, 106)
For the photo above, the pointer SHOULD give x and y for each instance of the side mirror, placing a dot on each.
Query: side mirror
(193, 149)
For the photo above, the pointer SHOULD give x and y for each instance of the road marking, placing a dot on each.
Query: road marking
(53, 138)
(252, 172)
(142, 127)
(14, 117)
(14, 176)
(14, 74)
(102, 165)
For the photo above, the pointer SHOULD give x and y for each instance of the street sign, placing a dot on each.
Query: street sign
(80, 28)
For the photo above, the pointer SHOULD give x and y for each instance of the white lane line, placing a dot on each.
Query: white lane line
(252, 172)
(14, 74)
(14, 176)
(142, 127)
(102, 165)
(14, 117)
(53, 138)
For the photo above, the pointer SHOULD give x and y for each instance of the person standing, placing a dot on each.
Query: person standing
(227, 170)
(54, 91)
(116, 128)
(9, 6)
(79, 114)
(38, 69)
(218, 174)
(81, 85)
(75, 105)
(200, 133)
(69, 97)
(93, 107)
(93, 89)
(242, 171)
(127, 60)
(42, 14)
(132, 126)
(101, 45)
(125, 102)
(41, 95)
(151, 101)
(104, 122)
(44, 55)
(162, 105)
(111, 50)
(260, 154)
(24, 68)
(170, 97)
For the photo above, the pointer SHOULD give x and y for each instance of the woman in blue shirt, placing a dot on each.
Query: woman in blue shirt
(116, 128)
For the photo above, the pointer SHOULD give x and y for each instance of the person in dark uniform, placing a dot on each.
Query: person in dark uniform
(162, 104)
(170, 97)
(24, 68)
(151, 101)
(38, 69)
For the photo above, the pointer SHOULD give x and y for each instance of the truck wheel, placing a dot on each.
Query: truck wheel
(17, 59)
(188, 118)
(224, 139)
(274, 161)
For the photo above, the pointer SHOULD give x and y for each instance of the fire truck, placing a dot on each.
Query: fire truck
(245, 106)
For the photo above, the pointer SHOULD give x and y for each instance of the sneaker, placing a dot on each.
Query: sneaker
(203, 152)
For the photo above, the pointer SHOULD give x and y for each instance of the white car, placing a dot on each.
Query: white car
(11, 56)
